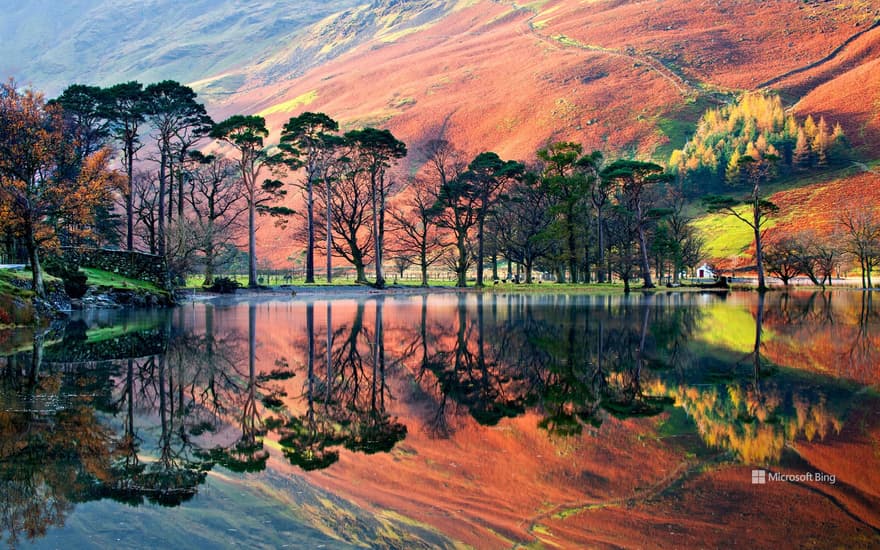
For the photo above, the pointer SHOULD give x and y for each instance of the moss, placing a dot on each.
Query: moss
(106, 279)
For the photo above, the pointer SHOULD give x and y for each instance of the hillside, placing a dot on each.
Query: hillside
(626, 77)
(108, 41)
(620, 76)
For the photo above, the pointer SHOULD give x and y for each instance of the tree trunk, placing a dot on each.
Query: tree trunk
(170, 189)
(129, 200)
(209, 265)
(360, 271)
(480, 227)
(252, 236)
(180, 187)
(587, 276)
(646, 266)
(378, 214)
(328, 195)
(161, 198)
(461, 267)
(36, 269)
(759, 252)
(528, 271)
(600, 268)
(494, 266)
(310, 221)
(380, 245)
(423, 263)
(572, 249)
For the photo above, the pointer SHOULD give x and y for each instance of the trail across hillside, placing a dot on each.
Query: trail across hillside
(681, 85)
(834, 53)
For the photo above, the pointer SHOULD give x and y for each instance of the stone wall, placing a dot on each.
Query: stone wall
(135, 265)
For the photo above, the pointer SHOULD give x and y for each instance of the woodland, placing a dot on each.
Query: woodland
(145, 168)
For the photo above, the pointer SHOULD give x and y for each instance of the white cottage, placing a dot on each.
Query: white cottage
(705, 272)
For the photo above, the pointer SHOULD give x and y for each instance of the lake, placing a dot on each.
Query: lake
(446, 420)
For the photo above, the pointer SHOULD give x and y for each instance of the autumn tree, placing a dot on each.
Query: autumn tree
(415, 230)
(376, 151)
(755, 125)
(215, 200)
(84, 110)
(347, 209)
(35, 197)
(145, 199)
(783, 259)
(245, 134)
(444, 164)
(306, 140)
(456, 210)
(685, 244)
(524, 221)
(622, 244)
(862, 229)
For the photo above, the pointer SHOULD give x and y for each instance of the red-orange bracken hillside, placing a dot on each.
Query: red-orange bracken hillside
(504, 76)
(622, 77)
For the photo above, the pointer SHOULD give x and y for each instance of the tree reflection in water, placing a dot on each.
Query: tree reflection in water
(579, 360)
(147, 408)
(57, 448)
(353, 386)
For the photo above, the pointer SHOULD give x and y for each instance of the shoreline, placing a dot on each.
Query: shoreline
(185, 296)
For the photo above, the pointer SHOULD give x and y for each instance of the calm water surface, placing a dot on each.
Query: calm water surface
(448, 420)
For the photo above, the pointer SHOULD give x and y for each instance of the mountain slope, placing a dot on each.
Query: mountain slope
(620, 76)
(52, 43)
(627, 77)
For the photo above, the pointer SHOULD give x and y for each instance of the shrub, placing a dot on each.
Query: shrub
(74, 280)
(224, 285)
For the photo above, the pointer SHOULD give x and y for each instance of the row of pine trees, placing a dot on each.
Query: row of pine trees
(756, 126)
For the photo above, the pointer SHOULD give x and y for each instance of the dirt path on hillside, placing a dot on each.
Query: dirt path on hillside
(834, 53)
(682, 85)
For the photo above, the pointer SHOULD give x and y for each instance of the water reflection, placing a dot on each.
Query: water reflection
(140, 409)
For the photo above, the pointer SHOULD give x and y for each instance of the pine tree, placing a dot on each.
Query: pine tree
(821, 144)
(802, 151)
(810, 128)
(733, 174)
(839, 148)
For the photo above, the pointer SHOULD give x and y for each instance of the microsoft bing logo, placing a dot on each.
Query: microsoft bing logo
(759, 477)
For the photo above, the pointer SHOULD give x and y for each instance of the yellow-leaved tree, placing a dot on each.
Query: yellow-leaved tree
(40, 197)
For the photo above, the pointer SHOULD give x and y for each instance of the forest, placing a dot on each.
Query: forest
(145, 168)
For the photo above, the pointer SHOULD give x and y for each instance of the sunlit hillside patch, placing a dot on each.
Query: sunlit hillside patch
(810, 205)
(394, 36)
(291, 104)
(725, 235)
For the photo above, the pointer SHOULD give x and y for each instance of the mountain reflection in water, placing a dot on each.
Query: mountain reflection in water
(593, 400)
